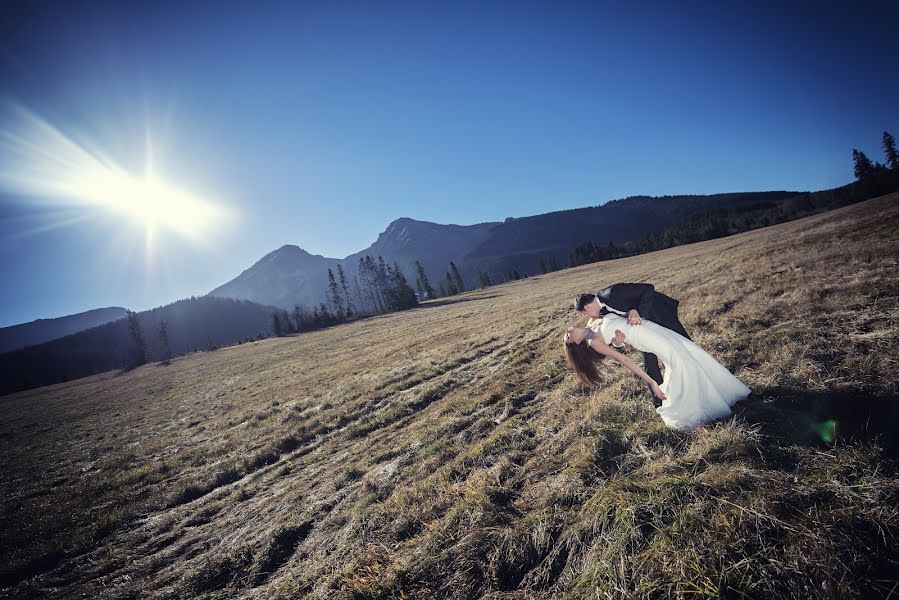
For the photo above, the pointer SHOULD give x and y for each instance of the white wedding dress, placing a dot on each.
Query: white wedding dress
(698, 389)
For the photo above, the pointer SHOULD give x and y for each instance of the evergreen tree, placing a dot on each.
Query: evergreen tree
(382, 278)
(442, 290)
(543, 267)
(336, 301)
(299, 318)
(326, 317)
(368, 276)
(451, 289)
(863, 165)
(404, 295)
(165, 351)
(424, 286)
(457, 279)
(889, 148)
(342, 277)
(358, 291)
(277, 325)
(137, 336)
(553, 265)
(485, 279)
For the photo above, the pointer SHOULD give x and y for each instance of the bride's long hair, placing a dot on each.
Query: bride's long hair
(583, 359)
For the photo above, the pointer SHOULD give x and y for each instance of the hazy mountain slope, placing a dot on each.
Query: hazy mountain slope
(448, 452)
(192, 324)
(285, 277)
(434, 245)
(43, 330)
(290, 275)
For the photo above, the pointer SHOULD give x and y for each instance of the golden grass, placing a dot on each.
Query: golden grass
(446, 451)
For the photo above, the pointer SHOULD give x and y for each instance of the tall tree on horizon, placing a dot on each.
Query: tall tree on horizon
(889, 148)
(277, 325)
(334, 298)
(342, 277)
(137, 336)
(165, 349)
(862, 164)
(451, 289)
(457, 279)
(382, 278)
(367, 273)
(422, 283)
(400, 292)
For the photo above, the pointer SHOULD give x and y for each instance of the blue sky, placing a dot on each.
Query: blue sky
(317, 124)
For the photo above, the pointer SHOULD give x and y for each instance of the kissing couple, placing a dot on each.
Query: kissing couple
(695, 390)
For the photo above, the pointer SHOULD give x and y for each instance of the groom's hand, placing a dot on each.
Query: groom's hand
(633, 317)
(618, 340)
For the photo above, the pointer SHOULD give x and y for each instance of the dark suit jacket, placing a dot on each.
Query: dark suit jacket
(652, 305)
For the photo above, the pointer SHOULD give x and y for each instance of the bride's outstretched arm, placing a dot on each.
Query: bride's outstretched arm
(600, 346)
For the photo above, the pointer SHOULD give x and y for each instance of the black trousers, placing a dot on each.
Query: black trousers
(651, 362)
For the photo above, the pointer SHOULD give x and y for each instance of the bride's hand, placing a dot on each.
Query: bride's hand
(657, 391)
(618, 339)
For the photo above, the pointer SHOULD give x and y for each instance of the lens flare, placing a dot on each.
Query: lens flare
(44, 165)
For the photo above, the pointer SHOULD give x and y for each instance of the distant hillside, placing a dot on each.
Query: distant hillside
(521, 243)
(290, 275)
(193, 324)
(434, 245)
(284, 277)
(44, 330)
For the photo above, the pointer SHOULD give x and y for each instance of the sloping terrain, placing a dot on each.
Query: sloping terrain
(447, 451)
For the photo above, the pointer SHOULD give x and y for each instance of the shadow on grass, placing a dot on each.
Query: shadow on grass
(452, 300)
(824, 418)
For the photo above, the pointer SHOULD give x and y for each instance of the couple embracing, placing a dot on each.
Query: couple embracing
(695, 390)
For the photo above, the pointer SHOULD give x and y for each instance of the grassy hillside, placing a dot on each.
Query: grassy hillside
(447, 451)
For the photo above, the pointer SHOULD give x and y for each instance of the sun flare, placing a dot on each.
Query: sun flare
(39, 161)
(148, 201)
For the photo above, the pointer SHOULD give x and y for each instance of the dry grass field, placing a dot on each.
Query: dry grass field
(447, 451)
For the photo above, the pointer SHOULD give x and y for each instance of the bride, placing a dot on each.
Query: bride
(695, 390)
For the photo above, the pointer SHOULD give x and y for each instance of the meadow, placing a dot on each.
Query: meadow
(448, 452)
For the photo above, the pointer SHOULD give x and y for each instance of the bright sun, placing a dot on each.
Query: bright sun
(40, 161)
(148, 201)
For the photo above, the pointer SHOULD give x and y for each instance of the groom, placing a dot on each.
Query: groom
(636, 301)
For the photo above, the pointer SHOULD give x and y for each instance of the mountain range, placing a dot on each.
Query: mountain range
(289, 275)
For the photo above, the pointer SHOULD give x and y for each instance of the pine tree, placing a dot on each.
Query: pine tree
(382, 279)
(863, 165)
(543, 267)
(277, 326)
(889, 148)
(443, 293)
(342, 277)
(358, 292)
(165, 351)
(299, 318)
(368, 276)
(326, 317)
(485, 279)
(334, 298)
(553, 266)
(425, 291)
(451, 289)
(457, 279)
(405, 296)
(137, 336)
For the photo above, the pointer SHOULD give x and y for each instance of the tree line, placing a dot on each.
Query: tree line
(872, 179)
